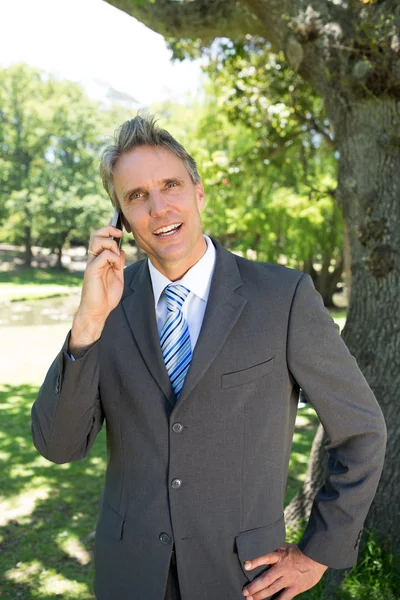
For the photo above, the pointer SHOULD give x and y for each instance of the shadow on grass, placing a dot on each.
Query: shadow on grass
(47, 512)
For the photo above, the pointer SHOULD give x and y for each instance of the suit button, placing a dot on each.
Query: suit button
(164, 538)
(176, 483)
(177, 427)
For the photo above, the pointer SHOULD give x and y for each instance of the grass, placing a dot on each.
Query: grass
(28, 284)
(48, 512)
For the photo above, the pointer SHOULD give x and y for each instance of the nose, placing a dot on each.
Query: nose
(158, 204)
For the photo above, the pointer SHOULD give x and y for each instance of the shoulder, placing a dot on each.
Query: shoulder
(272, 274)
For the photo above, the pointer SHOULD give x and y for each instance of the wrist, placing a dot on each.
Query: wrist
(84, 332)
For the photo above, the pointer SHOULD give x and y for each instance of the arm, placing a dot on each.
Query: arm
(67, 414)
(324, 368)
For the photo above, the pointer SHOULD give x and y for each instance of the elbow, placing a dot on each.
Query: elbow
(55, 452)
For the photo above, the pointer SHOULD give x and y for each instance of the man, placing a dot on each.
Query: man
(194, 357)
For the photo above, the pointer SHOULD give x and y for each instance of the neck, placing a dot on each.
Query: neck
(175, 271)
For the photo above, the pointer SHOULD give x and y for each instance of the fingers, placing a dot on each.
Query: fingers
(102, 239)
(267, 591)
(267, 559)
(291, 571)
(264, 586)
(108, 231)
(108, 258)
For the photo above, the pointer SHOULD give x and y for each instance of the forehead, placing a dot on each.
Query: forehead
(148, 163)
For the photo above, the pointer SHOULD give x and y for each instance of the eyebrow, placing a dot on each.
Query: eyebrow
(143, 189)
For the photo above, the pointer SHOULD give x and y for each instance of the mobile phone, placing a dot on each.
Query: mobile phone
(117, 222)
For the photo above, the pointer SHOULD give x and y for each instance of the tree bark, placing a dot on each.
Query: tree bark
(299, 508)
(369, 188)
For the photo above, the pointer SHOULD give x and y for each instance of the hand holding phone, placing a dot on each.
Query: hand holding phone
(102, 287)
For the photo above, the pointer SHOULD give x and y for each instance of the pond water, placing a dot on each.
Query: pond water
(48, 311)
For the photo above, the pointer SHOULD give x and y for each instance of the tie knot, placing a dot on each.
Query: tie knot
(176, 295)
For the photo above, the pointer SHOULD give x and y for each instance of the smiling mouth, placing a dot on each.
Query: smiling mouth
(168, 230)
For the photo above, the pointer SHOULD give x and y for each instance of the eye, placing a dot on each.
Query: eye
(136, 196)
(172, 184)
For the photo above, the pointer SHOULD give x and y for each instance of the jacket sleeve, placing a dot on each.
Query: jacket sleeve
(323, 367)
(67, 414)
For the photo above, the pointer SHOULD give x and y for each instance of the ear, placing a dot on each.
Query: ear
(201, 201)
(126, 224)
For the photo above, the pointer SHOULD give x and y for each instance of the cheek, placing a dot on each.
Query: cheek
(137, 220)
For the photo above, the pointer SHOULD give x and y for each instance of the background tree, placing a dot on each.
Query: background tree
(24, 138)
(349, 52)
(72, 203)
(270, 173)
(50, 138)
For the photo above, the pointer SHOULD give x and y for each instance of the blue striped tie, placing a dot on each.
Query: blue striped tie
(175, 339)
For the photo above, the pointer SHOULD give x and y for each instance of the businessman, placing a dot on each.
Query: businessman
(194, 358)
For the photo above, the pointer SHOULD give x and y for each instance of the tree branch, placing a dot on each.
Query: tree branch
(316, 125)
(199, 19)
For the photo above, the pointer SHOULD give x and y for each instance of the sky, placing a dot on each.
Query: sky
(92, 42)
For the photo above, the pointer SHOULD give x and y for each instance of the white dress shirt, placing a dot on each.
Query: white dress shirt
(198, 281)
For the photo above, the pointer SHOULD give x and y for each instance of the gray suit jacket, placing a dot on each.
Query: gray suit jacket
(208, 472)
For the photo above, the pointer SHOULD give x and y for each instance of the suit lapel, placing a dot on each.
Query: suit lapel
(223, 310)
(140, 313)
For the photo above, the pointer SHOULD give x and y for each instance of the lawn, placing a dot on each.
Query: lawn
(29, 284)
(48, 512)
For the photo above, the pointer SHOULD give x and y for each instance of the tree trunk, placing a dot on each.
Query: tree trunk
(300, 507)
(28, 246)
(369, 184)
(324, 280)
(59, 258)
(368, 136)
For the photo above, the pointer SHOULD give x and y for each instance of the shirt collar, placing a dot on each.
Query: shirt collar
(197, 279)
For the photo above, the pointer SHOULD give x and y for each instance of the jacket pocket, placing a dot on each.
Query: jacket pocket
(247, 375)
(110, 522)
(257, 542)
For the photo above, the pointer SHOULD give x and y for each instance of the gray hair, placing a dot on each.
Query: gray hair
(140, 131)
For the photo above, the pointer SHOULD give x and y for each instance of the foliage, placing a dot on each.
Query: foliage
(50, 138)
(267, 159)
(376, 576)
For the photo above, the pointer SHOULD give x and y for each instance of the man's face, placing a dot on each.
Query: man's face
(156, 192)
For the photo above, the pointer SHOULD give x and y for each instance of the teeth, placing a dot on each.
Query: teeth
(167, 229)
